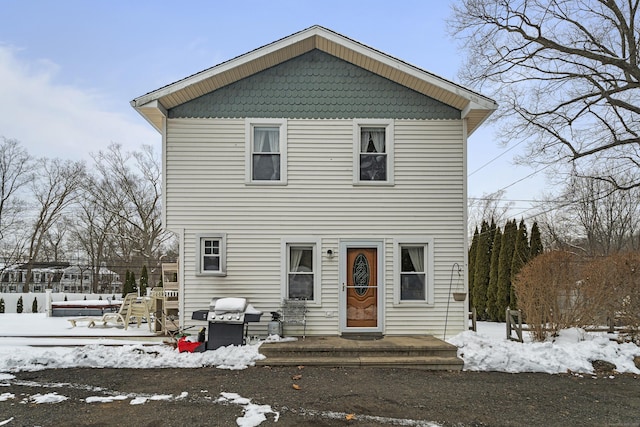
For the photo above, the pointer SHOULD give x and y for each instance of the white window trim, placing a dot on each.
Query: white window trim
(428, 265)
(250, 123)
(389, 126)
(285, 242)
(223, 254)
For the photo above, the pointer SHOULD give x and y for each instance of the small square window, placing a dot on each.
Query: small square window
(211, 255)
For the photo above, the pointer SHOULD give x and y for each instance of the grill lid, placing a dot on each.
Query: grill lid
(228, 305)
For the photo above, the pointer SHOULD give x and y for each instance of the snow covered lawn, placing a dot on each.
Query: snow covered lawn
(485, 350)
(30, 342)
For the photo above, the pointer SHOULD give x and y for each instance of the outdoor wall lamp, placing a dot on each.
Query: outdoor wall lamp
(329, 253)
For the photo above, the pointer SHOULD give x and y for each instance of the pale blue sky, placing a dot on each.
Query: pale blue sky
(69, 68)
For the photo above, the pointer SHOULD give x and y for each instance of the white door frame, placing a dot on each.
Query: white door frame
(378, 244)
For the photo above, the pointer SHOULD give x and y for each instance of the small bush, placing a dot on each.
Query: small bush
(20, 306)
(559, 290)
(34, 305)
(1, 305)
(547, 291)
(614, 285)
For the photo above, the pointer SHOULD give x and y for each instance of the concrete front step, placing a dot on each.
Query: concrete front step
(423, 352)
(425, 363)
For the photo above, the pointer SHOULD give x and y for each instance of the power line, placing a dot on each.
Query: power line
(495, 158)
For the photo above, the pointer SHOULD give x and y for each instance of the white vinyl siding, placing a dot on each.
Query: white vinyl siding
(206, 190)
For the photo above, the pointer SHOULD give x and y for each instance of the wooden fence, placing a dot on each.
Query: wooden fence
(514, 324)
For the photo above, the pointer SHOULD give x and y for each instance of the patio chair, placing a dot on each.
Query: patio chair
(139, 309)
(294, 311)
(121, 317)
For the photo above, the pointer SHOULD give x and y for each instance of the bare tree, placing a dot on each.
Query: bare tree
(132, 192)
(54, 190)
(94, 226)
(592, 218)
(566, 76)
(490, 208)
(55, 239)
(16, 172)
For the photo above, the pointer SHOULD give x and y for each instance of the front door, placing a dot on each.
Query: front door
(361, 289)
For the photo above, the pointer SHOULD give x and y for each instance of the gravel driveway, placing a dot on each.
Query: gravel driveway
(324, 397)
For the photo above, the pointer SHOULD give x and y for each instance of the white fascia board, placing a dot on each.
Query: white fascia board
(225, 66)
(153, 105)
(484, 102)
(472, 97)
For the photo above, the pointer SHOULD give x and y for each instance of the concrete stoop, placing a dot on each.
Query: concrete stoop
(416, 352)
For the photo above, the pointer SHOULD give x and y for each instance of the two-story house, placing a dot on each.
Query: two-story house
(317, 167)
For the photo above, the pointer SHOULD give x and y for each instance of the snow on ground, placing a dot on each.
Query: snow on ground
(30, 342)
(574, 350)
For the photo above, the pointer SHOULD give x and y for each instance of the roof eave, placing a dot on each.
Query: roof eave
(475, 107)
(153, 112)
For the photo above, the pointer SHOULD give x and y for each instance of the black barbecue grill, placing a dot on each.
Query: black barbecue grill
(228, 321)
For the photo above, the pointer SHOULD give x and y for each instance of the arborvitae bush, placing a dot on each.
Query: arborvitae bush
(100, 298)
(34, 305)
(482, 270)
(19, 307)
(144, 280)
(1, 305)
(473, 249)
(492, 289)
(65, 298)
(507, 247)
(519, 259)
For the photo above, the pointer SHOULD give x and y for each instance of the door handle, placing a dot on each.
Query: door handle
(342, 287)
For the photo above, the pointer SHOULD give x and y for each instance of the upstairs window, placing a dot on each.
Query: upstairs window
(266, 154)
(373, 155)
(266, 151)
(373, 152)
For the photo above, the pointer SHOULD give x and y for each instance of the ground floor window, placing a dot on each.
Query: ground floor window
(412, 273)
(211, 254)
(414, 270)
(301, 262)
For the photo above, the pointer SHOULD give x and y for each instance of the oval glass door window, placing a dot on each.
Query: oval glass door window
(361, 274)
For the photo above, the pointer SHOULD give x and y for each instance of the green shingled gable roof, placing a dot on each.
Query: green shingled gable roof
(315, 85)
